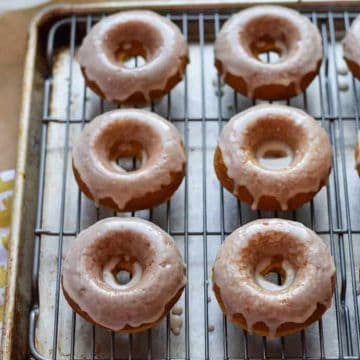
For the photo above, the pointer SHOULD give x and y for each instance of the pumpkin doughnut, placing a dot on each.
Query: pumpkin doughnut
(125, 133)
(134, 245)
(351, 48)
(357, 153)
(262, 29)
(273, 157)
(256, 304)
(121, 36)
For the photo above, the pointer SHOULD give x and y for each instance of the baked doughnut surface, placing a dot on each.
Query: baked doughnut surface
(134, 245)
(262, 29)
(254, 303)
(273, 157)
(126, 34)
(351, 47)
(126, 133)
(357, 154)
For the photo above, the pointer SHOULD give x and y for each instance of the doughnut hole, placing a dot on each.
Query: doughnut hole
(116, 255)
(129, 156)
(131, 54)
(121, 272)
(274, 271)
(131, 40)
(129, 162)
(264, 35)
(122, 276)
(269, 56)
(275, 143)
(122, 147)
(275, 252)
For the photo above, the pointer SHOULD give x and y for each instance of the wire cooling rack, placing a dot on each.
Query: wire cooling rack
(201, 214)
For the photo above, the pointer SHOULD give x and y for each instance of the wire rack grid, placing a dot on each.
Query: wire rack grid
(201, 214)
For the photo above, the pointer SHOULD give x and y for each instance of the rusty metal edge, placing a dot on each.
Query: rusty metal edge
(14, 244)
(67, 9)
(52, 11)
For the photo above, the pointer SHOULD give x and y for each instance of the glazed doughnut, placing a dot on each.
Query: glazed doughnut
(124, 133)
(357, 153)
(262, 29)
(273, 157)
(143, 249)
(119, 37)
(256, 304)
(351, 47)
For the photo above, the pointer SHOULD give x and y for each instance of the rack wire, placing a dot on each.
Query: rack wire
(201, 214)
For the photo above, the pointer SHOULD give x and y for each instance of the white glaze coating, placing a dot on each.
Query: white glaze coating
(351, 42)
(312, 154)
(234, 273)
(293, 35)
(163, 154)
(357, 152)
(163, 43)
(134, 240)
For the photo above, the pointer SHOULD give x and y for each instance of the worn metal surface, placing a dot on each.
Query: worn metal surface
(198, 216)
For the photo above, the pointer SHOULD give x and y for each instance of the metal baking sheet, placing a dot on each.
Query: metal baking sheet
(199, 215)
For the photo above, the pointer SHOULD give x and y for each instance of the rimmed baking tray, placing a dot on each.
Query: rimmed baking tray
(49, 210)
